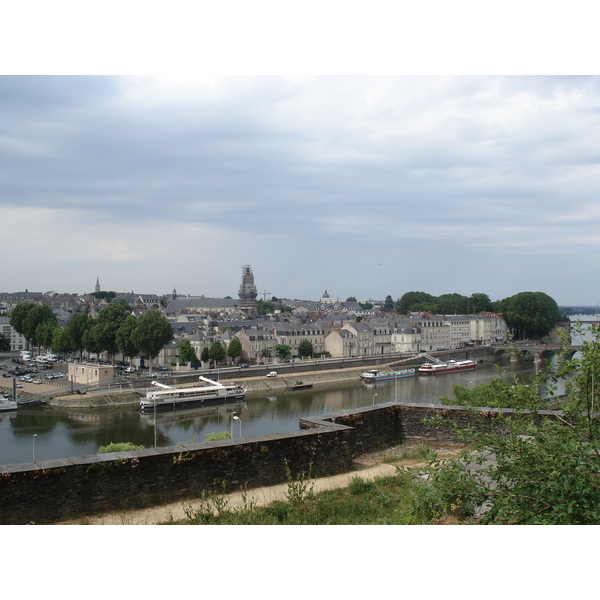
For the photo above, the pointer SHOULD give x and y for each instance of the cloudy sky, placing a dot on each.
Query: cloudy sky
(361, 185)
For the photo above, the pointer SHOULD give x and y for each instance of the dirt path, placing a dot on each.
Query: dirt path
(369, 467)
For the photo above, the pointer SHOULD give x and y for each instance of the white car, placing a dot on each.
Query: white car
(272, 374)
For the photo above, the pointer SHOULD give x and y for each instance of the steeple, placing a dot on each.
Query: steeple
(97, 285)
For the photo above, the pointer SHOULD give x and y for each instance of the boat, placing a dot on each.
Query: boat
(7, 405)
(376, 375)
(210, 391)
(436, 366)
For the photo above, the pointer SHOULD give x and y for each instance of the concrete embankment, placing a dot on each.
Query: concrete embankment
(256, 386)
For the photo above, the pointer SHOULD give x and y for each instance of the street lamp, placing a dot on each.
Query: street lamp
(33, 446)
(374, 399)
(232, 418)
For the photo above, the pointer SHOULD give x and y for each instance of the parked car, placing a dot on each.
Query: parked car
(130, 370)
(161, 368)
(244, 366)
(272, 374)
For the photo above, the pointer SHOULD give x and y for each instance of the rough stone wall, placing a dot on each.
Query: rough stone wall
(49, 491)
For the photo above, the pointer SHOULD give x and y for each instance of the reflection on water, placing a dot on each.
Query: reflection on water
(62, 433)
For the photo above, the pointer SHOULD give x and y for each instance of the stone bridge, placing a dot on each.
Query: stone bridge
(538, 351)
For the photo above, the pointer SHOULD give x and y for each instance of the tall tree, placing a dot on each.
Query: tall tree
(530, 314)
(234, 350)
(305, 348)
(152, 334)
(187, 353)
(216, 351)
(76, 327)
(388, 304)
(124, 337)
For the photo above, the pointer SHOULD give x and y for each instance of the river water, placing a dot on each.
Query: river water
(61, 433)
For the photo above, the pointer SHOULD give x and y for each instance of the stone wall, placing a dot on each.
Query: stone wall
(50, 491)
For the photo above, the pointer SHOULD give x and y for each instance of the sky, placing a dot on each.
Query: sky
(335, 179)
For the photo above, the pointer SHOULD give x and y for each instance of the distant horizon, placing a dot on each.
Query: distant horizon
(183, 294)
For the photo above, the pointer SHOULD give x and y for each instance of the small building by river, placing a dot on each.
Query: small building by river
(91, 374)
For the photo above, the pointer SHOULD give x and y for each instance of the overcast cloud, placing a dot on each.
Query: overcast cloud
(361, 186)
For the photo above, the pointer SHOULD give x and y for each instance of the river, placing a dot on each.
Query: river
(61, 433)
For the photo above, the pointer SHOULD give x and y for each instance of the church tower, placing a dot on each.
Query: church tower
(248, 291)
(97, 285)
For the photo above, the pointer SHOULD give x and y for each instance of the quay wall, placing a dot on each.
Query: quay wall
(50, 491)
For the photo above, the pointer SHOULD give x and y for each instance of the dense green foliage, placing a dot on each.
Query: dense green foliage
(305, 348)
(282, 350)
(114, 330)
(216, 436)
(234, 350)
(446, 304)
(530, 314)
(545, 469)
(216, 351)
(119, 447)
(187, 353)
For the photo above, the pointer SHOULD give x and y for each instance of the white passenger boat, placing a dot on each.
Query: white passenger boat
(375, 375)
(210, 391)
(451, 366)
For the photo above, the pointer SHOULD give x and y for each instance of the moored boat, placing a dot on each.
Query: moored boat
(6, 404)
(374, 375)
(451, 366)
(211, 391)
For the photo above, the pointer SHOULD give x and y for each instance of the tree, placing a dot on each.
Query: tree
(109, 320)
(62, 342)
(411, 300)
(388, 304)
(479, 303)
(152, 333)
(234, 350)
(351, 299)
(18, 316)
(35, 322)
(305, 348)
(76, 327)
(4, 343)
(187, 353)
(124, 337)
(205, 356)
(530, 314)
(216, 351)
(282, 351)
(546, 466)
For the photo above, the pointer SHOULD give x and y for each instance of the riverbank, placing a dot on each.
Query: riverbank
(256, 386)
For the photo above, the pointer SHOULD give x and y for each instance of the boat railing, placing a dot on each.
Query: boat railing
(433, 359)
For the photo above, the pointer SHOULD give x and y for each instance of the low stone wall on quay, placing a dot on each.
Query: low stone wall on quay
(71, 488)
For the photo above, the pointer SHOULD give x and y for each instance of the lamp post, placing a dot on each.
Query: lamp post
(374, 399)
(33, 446)
(232, 418)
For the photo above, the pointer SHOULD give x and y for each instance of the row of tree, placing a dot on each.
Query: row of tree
(114, 330)
(528, 314)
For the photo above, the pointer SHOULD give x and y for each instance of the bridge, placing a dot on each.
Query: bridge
(539, 351)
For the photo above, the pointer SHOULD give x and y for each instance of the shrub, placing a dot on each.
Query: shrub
(119, 447)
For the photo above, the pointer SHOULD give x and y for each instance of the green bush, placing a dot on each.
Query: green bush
(216, 436)
(119, 447)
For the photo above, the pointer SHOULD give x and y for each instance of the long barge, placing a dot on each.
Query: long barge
(210, 391)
